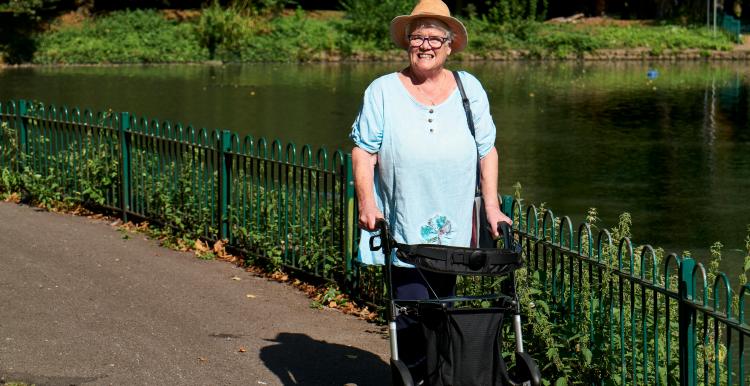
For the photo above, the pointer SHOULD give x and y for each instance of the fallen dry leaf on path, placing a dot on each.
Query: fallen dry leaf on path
(219, 247)
(13, 197)
(201, 247)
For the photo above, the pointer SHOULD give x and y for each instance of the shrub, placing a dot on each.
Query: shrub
(511, 11)
(221, 29)
(369, 20)
(292, 38)
(19, 21)
(141, 36)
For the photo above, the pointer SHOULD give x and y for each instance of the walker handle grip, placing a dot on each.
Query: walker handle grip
(507, 233)
(379, 224)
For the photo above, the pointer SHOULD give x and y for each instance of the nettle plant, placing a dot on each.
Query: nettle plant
(9, 178)
(174, 192)
(53, 178)
(598, 327)
(289, 225)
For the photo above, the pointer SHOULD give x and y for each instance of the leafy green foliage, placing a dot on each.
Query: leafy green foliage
(585, 323)
(286, 234)
(296, 37)
(513, 11)
(23, 8)
(50, 179)
(140, 36)
(369, 20)
(565, 40)
(331, 294)
(209, 255)
(176, 190)
(251, 31)
(168, 193)
(19, 21)
(221, 29)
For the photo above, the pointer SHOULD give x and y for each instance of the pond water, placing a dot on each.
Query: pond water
(668, 143)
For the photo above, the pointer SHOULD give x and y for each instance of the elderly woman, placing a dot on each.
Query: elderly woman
(415, 158)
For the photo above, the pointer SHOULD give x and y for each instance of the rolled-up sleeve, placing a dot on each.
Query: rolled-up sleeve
(484, 126)
(367, 130)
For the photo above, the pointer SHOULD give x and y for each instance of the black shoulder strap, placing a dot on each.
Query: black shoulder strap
(465, 100)
(469, 120)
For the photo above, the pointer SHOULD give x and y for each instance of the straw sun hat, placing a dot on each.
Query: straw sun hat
(435, 9)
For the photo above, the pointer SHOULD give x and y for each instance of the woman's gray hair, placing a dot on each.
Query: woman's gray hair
(429, 22)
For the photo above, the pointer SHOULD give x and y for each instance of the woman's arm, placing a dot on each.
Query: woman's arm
(363, 164)
(488, 170)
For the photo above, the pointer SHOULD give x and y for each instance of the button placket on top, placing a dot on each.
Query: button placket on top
(431, 119)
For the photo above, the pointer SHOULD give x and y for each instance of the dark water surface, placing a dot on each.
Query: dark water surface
(673, 151)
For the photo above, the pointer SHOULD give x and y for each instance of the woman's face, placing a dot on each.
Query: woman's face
(425, 56)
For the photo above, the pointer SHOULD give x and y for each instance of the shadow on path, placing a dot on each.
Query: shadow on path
(298, 359)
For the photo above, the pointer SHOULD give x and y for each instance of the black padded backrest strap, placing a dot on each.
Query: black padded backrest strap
(461, 255)
(459, 260)
(469, 120)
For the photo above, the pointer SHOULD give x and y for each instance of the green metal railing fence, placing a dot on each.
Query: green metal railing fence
(656, 318)
(732, 26)
(293, 206)
(655, 315)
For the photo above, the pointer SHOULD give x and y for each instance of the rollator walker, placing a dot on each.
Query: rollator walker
(463, 338)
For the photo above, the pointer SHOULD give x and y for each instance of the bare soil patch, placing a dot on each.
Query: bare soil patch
(69, 19)
(181, 14)
(579, 19)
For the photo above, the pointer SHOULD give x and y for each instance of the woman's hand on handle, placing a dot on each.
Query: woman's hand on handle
(369, 216)
(494, 217)
(364, 174)
(488, 173)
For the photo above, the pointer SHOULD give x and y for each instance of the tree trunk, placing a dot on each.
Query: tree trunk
(84, 7)
(600, 7)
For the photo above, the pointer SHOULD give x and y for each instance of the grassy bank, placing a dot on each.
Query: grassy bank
(232, 36)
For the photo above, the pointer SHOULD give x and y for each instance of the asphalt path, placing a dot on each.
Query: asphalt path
(83, 305)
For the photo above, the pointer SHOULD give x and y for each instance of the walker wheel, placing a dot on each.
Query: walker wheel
(400, 374)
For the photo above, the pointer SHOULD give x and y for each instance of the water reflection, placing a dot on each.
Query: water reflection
(673, 150)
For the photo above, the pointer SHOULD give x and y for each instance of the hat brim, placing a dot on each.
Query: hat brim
(399, 24)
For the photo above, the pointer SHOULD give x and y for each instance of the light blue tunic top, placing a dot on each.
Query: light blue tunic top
(425, 177)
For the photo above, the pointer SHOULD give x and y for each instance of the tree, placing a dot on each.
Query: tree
(18, 20)
(600, 7)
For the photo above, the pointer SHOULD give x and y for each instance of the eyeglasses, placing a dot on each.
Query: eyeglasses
(433, 41)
